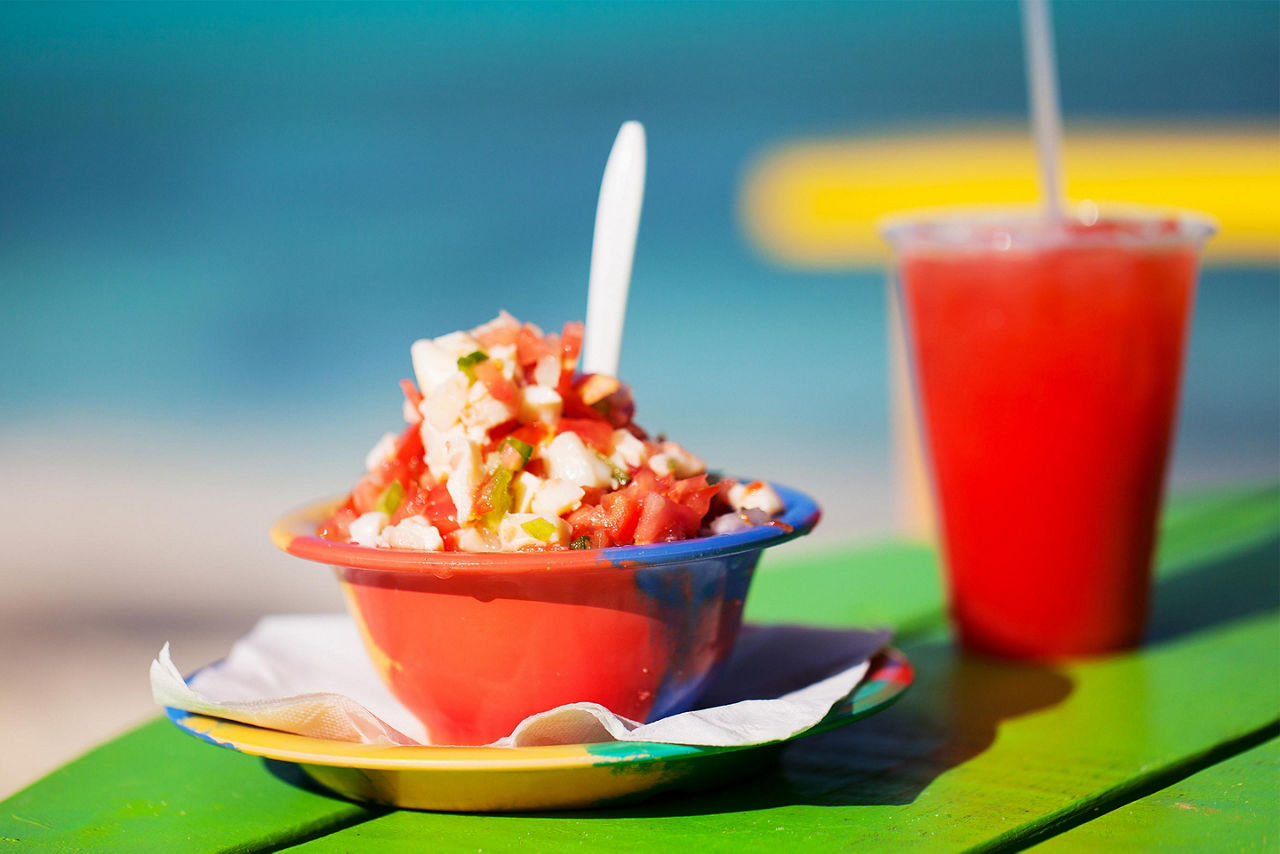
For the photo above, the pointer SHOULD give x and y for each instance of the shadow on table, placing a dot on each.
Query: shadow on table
(1223, 589)
(951, 714)
(948, 716)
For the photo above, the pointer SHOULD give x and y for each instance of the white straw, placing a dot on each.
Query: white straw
(1046, 113)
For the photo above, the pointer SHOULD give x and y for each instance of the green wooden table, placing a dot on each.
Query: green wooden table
(1170, 748)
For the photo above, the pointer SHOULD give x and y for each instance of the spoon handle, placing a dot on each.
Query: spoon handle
(613, 249)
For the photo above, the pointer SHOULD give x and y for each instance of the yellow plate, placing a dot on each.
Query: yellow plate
(505, 779)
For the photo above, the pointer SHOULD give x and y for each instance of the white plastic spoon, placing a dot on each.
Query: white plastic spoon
(613, 249)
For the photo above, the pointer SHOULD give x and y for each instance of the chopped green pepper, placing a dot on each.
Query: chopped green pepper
(389, 501)
(619, 473)
(539, 529)
(467, 363)
(499, 497)
(583, 542)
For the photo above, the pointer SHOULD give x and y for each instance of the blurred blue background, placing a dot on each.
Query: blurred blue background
(221, 226)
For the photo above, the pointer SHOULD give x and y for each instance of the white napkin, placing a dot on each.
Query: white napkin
(309, 675)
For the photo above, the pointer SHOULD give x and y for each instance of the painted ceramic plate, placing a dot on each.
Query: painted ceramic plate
(498, 779)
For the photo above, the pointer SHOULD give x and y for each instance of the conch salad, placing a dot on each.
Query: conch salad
(509, 449)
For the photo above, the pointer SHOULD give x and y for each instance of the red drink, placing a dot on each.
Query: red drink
(1047, 361)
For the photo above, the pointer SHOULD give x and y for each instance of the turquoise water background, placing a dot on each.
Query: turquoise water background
(222, 225)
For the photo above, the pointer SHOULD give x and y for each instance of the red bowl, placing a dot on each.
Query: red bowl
(474, 643)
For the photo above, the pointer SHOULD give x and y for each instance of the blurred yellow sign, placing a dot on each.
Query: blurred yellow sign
(816, 204)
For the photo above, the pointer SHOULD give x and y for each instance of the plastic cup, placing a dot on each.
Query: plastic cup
(1046, 359)
(474, 643)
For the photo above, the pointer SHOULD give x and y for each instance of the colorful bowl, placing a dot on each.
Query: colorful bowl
(474, 643)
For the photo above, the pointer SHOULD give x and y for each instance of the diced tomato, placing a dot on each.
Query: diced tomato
(573, 407)
(643, 512)
(570, 346)
(435, 504)
(694, 493)
(571, 343)
(415, 499)
(586, 519)
(622, 514)
(405, 465)
(642, 481)
(647, 478)
(498, 432)
(365, 495)
(499, 386)
(493, 492)
(338, 525)
(663, 520)
(480, 501)
(498, 335)
(530, 346)
(532, 433)
(595, 434)
(405, 462)
(413, 396)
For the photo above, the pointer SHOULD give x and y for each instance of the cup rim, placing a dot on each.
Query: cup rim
(294, 533)
(1027, 226)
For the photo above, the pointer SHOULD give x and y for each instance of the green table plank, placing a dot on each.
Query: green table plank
(155, 789)
(1196, 527)
(161, 790)
(1234, 805)
(978, 754)
(883, 584)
